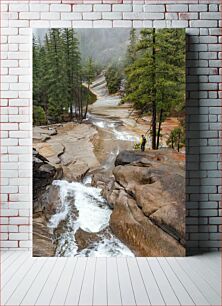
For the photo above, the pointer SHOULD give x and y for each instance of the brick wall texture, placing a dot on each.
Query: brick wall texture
(202, 20)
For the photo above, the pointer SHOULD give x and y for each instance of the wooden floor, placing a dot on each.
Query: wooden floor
(110, 281)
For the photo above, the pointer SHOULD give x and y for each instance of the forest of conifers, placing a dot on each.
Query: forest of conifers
(155, 78)
(60, 79)
(150, 76)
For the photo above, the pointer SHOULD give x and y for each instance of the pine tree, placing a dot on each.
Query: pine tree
(89, 75)
(39, 83)
(73, 70)
(155, 79)
(113, 79)
(56, 76)
(132, 48)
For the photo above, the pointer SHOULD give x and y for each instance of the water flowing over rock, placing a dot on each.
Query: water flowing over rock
(81, 223)
(138, 205)
(147, 194)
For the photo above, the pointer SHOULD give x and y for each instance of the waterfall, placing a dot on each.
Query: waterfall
(84, 208)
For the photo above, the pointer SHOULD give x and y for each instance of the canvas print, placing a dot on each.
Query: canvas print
(108, 142)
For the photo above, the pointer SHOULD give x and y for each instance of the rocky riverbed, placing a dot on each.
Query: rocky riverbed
(96, 196)
(147, 195)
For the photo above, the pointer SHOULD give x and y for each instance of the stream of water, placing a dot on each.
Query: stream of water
(92, 214)
(83, 207)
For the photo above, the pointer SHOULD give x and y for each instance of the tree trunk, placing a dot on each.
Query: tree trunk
(87, 103)
(71, 110)
(81, 103)
(159, 129)
(178, 145)
(154, 93)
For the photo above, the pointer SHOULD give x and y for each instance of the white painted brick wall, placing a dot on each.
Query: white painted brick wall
(201, 18)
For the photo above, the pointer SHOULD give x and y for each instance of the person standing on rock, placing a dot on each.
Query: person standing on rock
(143, 143)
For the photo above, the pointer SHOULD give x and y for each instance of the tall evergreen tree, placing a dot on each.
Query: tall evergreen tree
(155, 79)
(132, 48)
(89, 75)
(56, 75)
(73, 69)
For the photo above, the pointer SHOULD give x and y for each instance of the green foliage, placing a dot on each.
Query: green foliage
(155, 75)
(132, 48)
(137, 146)
(89, 71)
(113, 78)
(87, 96)
(176, 139)
(58, 76)
(39, 116)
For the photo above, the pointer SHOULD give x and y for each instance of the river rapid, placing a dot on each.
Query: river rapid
(83, 207)
(80, 226)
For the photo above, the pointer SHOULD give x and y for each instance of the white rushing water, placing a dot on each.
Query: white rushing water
(113, 126)
(126, 136)
(92, 215)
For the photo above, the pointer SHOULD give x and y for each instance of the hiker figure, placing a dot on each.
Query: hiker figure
(143, 143)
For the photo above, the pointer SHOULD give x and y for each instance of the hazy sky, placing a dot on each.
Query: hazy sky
(104, 45)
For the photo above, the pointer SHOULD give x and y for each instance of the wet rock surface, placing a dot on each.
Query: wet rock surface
(46, 201)
(147, 194)
(43, 175)
(85, 239)
(147, 209)
(42, 239)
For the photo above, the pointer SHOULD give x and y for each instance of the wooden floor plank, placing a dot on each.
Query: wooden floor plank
(4, 255)
(139, 288)
(152, 288)
(181, 293)
(210, 294)
(166, 289)
(212, 261)
(23, 287)
(113, 286)
(35, 289)
(10, 261)
(112, 281)
(126, 289)
(62, 288)
(17, 278)
(13, 270)
(86, 294)
(190, 286)
(75, 286)
(213, 279)
(48, 290)
(100, 284)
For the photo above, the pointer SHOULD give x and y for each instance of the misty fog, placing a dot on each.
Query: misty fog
(105, 46)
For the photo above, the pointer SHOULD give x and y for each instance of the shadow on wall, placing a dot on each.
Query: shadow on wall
(193, 194)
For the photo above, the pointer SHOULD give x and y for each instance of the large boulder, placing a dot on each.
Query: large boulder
(147, 194)
(42, 238)
(46, 201)
(85, 239)
(75, 171)
(43, 175)
(139, 233)
(128, 157)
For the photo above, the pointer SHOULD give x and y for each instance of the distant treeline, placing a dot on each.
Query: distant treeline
(152, 79)
(60, 79)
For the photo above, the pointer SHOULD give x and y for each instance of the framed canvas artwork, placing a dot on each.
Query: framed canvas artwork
(109, 142)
